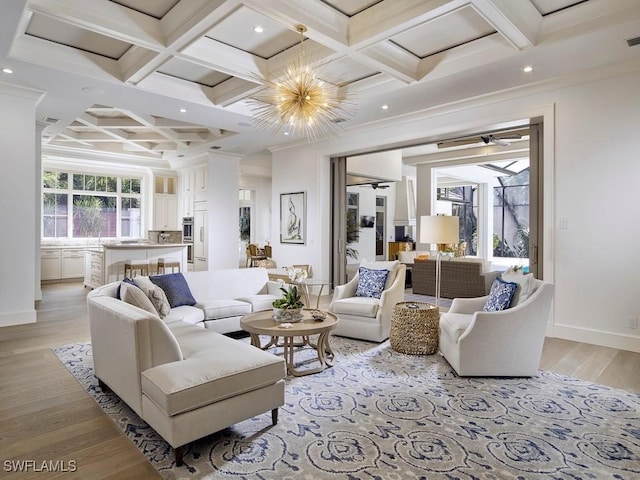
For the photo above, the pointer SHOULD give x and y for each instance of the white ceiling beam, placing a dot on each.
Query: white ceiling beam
(517, 20)
(66, 59)
(107, 18)
(223, 58)
(113, 132)
(182, 25)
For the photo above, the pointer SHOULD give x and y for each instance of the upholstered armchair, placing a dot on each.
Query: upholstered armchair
(506, 343)
(368, 318)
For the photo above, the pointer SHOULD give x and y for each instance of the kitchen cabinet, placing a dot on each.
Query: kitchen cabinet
(187, 192)
(165, 212)
(165, 202)
(72, 263)
(200, 238)
(58, 263)
(200, 183)
(165, 184)
(93, 268)
(50, 264)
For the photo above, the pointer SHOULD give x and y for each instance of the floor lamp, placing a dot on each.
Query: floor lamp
(439, 229)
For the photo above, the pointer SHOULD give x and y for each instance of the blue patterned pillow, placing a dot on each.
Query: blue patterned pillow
(175, 287)
(371, 282)
(500, 295)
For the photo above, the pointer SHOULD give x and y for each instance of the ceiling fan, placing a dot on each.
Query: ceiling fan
(502, 139)
(376, 185)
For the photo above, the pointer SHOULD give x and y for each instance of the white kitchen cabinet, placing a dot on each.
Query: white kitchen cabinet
(72, 263)
(93, 268)
(201, 174)
(187, 192)
(165, 184)
(200, 264)
(165, 212)
(50, 264)
(200, 240)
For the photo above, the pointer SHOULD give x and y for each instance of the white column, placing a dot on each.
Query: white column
(18, 210)
(38, 226)
(222, 209)
(426, 198)
(485, 221)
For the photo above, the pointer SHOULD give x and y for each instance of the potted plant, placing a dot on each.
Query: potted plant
(287, 308)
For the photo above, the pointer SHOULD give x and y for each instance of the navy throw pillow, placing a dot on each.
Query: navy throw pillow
(500, 295)
(371, 282)
(125, 280)
(175, 288)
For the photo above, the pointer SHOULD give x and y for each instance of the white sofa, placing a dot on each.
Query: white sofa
(186, 381)
(504, 343)
(368, 318)
(225, 296)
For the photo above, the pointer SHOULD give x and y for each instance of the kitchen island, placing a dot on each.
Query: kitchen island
(115, 256)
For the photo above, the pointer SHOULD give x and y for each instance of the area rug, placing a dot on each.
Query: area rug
(382, 415)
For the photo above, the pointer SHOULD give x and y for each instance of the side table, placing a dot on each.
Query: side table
(415, 328)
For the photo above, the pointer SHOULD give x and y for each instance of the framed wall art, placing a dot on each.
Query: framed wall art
(293, 218)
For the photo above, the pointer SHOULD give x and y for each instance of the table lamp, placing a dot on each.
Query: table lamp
(439, 229)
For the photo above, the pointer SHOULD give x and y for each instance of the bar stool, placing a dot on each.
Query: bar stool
(164, 263)
(133, 266)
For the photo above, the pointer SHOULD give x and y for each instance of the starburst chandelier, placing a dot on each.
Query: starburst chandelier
(300, 102)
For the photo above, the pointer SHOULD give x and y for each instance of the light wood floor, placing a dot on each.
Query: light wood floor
(45, 415)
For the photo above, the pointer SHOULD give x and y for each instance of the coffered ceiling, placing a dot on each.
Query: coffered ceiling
(165, 79)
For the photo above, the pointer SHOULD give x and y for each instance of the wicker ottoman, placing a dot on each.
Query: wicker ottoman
(414, 328)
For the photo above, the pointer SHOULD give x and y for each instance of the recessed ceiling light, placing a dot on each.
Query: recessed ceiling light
(7, 70)
(258, 29)
(527, 69)
(183, 110)
(385, 107)
(286, 133)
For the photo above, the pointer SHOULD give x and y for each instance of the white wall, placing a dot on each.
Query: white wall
(18, 197)
(303, 169)
(591, 149)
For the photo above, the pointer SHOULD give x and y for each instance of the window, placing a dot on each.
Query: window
(80, 205)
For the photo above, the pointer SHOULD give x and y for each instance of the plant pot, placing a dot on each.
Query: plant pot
(287, 314)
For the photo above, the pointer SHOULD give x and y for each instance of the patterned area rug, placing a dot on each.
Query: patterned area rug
(379, 414)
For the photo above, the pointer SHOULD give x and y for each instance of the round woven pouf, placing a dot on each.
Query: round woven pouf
(414, 328)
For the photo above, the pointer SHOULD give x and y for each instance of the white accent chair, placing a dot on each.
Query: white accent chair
(507, 343)
(368, 318)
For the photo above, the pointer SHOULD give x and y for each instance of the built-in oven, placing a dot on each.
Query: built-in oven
(189, 252)
(187, 229)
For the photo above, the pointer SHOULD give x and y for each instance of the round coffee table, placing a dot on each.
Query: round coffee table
(415, 328)
(262, 323)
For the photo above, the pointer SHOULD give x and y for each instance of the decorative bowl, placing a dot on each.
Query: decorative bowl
(318, 315)
(290, 315)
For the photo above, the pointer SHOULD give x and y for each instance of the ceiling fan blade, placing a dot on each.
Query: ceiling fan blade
(460, 143)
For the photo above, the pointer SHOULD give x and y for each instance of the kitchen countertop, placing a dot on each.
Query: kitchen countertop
(130, 246)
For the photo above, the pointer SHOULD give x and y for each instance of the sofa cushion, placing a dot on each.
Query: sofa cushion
(259, 302)
(133, 295)
(371, 282)
(124, 280)
(185, 313)
(454, 324)
(223, 308)
(524, 285)
(159, 300)
(176, 288)
(500, 295)
(359, 306)
(183, 386)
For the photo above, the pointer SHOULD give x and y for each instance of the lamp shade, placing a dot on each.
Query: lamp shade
(439, 229)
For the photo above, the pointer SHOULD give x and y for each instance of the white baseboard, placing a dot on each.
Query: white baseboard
(596, 337)
(17, 318)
